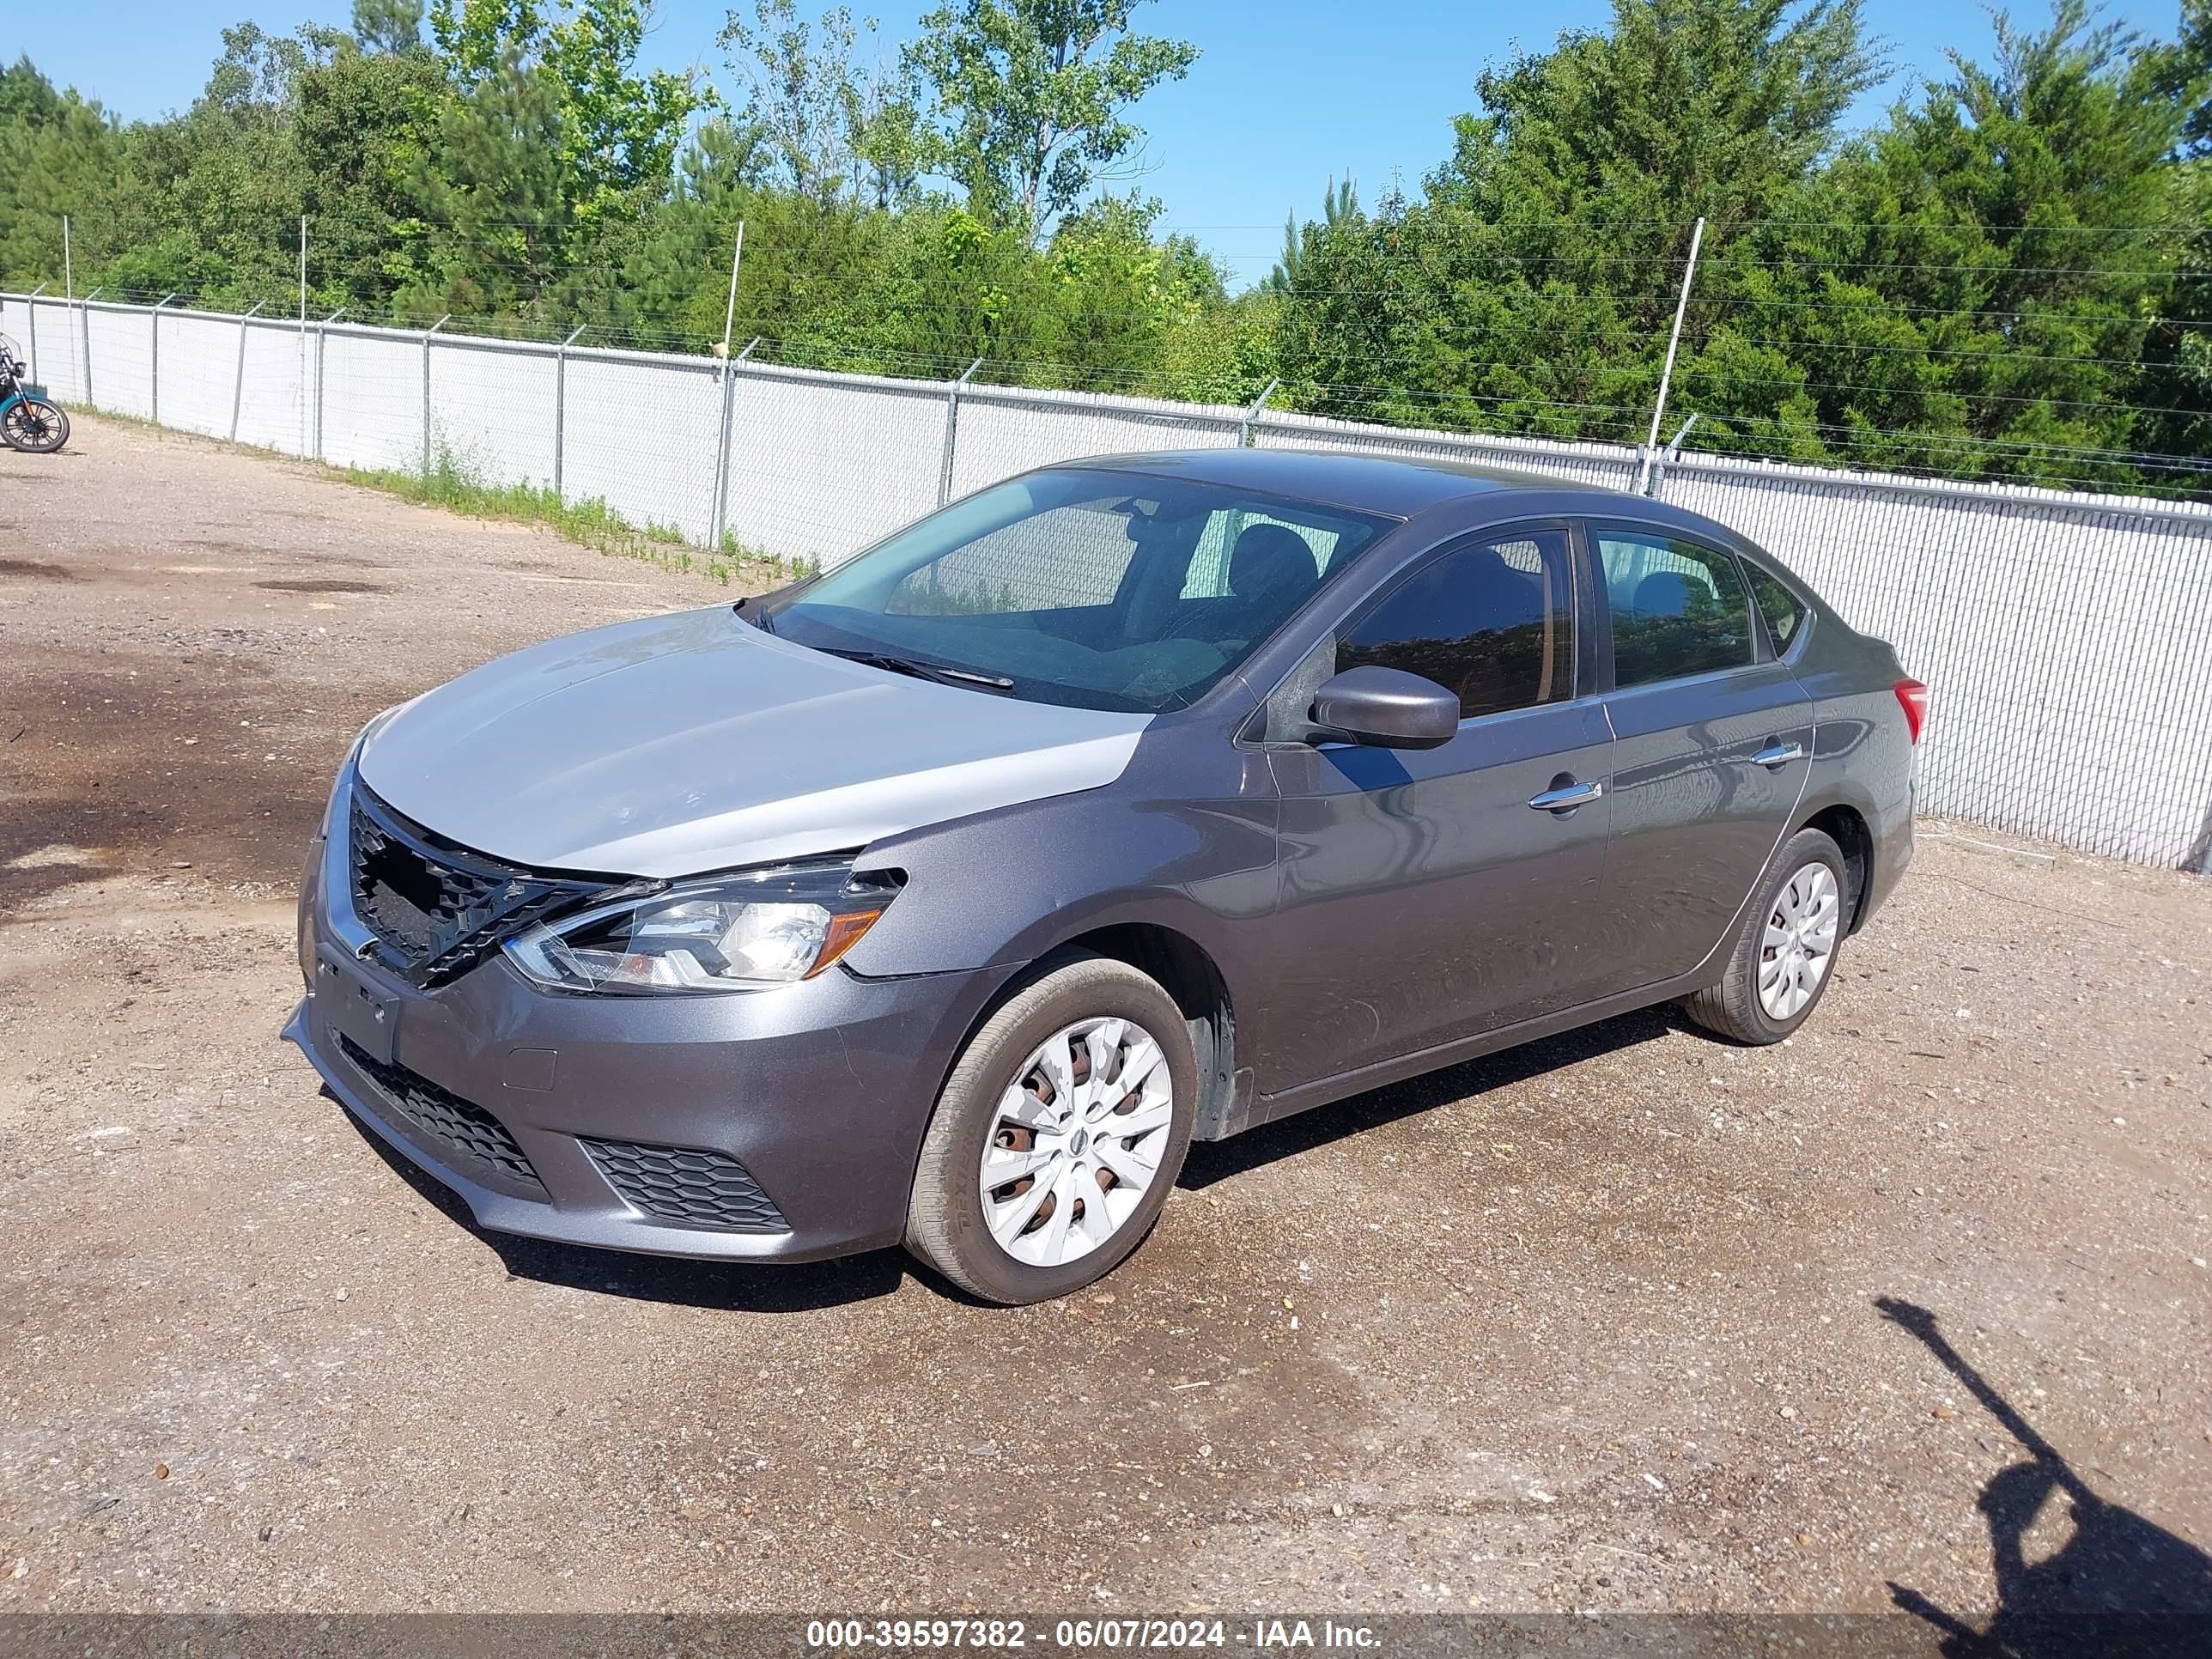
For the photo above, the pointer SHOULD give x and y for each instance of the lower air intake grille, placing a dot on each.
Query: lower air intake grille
(466, 1128)
(704, 1189)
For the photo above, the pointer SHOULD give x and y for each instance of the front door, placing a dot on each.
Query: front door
(1427, 894)
(1712, 739)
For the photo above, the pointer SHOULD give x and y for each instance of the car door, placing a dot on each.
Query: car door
(1711, 736)
(1425, 895)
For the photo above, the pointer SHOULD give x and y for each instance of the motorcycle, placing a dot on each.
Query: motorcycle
(29, 420)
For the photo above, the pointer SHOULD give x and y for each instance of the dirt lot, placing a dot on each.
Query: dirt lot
(1598, 1325)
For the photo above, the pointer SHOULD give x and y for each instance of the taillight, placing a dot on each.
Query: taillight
(1913, 697)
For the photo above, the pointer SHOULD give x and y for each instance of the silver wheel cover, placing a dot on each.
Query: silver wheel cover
(1077, 1141)
(1799, 941)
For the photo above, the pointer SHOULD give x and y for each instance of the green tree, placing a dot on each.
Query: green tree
(615, 130)
(1338, 201)
(391, 27)
(59, 154)
(1965, 289)
(838, 129)
(1027, 101)
(359, 133)
(539, 160)
(1532, 289)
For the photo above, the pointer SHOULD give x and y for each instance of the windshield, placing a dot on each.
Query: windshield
(1103, 590)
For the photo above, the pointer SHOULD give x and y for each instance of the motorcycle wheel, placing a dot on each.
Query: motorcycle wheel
(34, 426)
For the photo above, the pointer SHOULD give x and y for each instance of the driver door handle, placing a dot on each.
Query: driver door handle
(1567, 798)
(1780, 754)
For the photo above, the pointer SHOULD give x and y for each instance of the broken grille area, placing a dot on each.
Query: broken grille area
(460, 1125)
(436, 909)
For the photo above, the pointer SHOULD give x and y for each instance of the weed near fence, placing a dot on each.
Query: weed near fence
(453, 484)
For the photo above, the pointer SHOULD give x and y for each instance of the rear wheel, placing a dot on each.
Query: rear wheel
(34, 426)
(1785, 954)
(1059, 1135)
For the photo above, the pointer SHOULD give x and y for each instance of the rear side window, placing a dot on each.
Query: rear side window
(1678, 609)
(1783, 610)
(1491, 621)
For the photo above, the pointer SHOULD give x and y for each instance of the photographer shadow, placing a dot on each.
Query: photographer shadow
(2120, 1585)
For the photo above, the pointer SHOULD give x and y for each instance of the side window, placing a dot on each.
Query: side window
(1678, 609)
(1783, 610)
(1060, 559)
(1493, 622)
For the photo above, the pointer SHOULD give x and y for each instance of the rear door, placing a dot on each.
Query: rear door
(1711, 740)
(1425, 895)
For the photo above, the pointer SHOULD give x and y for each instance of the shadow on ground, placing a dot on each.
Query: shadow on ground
(1218, 1160)
(2121, 1584)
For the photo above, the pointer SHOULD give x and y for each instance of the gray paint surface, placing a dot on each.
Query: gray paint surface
(1359, 916)
(695, 742)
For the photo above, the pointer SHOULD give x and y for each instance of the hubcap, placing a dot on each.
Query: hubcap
(1077, 1142)
(1799, 941)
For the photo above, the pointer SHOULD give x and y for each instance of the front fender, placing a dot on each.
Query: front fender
(1190, 847)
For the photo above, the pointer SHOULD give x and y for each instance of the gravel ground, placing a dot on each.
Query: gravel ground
(1597, 1324)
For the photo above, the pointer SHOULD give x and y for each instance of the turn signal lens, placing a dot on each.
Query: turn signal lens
(1913, 696)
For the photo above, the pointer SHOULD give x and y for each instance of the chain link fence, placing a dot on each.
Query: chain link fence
(2068, 637)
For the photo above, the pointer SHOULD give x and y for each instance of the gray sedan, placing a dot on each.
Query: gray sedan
(945, 898)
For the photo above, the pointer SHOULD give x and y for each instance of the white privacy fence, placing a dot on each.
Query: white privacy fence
(2067, 637)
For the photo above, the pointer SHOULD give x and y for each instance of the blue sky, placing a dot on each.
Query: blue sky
(1287, 93)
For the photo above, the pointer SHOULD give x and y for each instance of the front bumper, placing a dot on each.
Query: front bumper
(820, 1091)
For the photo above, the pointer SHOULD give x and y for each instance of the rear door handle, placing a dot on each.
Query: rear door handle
(1566, 798)
(1780, 754)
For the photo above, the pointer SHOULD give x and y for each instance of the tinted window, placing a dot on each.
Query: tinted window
(1783, 610)
(1492, 622)
(1677, 609)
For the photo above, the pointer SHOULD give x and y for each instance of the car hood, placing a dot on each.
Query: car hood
(694, 742)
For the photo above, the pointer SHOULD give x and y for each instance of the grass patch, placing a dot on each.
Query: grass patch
(589, 523)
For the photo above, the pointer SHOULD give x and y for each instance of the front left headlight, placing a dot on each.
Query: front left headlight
(740, 933)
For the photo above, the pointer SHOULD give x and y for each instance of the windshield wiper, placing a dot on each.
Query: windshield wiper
(925, 670)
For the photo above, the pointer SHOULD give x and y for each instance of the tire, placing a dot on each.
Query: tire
(34, 426)
(1739, 1007)
(1078, 1131)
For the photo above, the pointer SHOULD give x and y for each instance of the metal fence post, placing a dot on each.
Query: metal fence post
(318, 451)
(153, 323)
(561, 408)
(31, 305)
(1252, 415)
(951, 430)
(1667, 373)
(722, 455)
(87, 316)
(427, 333)
(238, 381)
(1673, 454)
(322, 341)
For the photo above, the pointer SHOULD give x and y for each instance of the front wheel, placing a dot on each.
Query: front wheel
(1059, 1135)
(1784, 955)
(34, 426)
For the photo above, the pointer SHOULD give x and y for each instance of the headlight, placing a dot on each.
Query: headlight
(721, 933)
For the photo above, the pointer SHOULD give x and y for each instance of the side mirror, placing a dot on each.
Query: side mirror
(1384, 708)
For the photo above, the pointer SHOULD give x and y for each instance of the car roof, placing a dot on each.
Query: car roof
(1400, 486)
